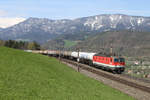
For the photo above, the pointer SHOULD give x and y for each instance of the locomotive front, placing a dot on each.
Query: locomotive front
(119, 64)
(109, 62)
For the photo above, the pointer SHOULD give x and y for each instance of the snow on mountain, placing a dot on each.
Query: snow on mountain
(113, 21)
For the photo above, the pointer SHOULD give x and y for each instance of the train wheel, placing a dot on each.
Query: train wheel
(114, 72)
(90, 63)
(119, 71)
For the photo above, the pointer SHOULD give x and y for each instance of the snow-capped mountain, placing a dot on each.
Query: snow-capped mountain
(117, 22)
(42, 29)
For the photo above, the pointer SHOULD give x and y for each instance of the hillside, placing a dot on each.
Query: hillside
(129, 43)
(62, 41)
(27, 76)
(43, 29)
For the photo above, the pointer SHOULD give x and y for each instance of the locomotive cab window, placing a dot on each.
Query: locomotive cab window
(116, 60)
(121, 60)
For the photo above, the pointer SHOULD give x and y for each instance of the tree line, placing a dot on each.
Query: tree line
(20, 44)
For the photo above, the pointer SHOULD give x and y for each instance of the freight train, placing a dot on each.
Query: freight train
(107, 62)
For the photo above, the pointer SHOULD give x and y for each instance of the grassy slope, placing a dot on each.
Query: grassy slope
(69, 43)
(27, 76)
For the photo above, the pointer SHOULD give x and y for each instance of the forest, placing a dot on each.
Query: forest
(20, 44)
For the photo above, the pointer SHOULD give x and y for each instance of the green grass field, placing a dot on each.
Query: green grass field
(27, 76)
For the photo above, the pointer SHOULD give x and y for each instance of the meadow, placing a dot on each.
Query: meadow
(28, 76)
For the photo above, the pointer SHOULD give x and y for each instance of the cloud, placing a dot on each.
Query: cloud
(7, 22)
(8, 19)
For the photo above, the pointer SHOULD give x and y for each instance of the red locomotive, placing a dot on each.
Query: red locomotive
(108, 62)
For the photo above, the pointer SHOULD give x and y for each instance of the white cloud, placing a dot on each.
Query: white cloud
(7, 22)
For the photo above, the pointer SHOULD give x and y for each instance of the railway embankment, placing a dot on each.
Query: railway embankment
(132, 87)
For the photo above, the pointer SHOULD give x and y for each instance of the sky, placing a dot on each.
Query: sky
(71, 9)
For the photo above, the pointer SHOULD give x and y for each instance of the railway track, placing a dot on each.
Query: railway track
(109, 76)
(135, 78)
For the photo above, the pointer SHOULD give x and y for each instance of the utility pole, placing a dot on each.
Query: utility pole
(111, 50)
(59, 55)
(60, 50)
(78, 59)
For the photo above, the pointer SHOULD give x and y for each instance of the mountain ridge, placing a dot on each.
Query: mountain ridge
(44, 29)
